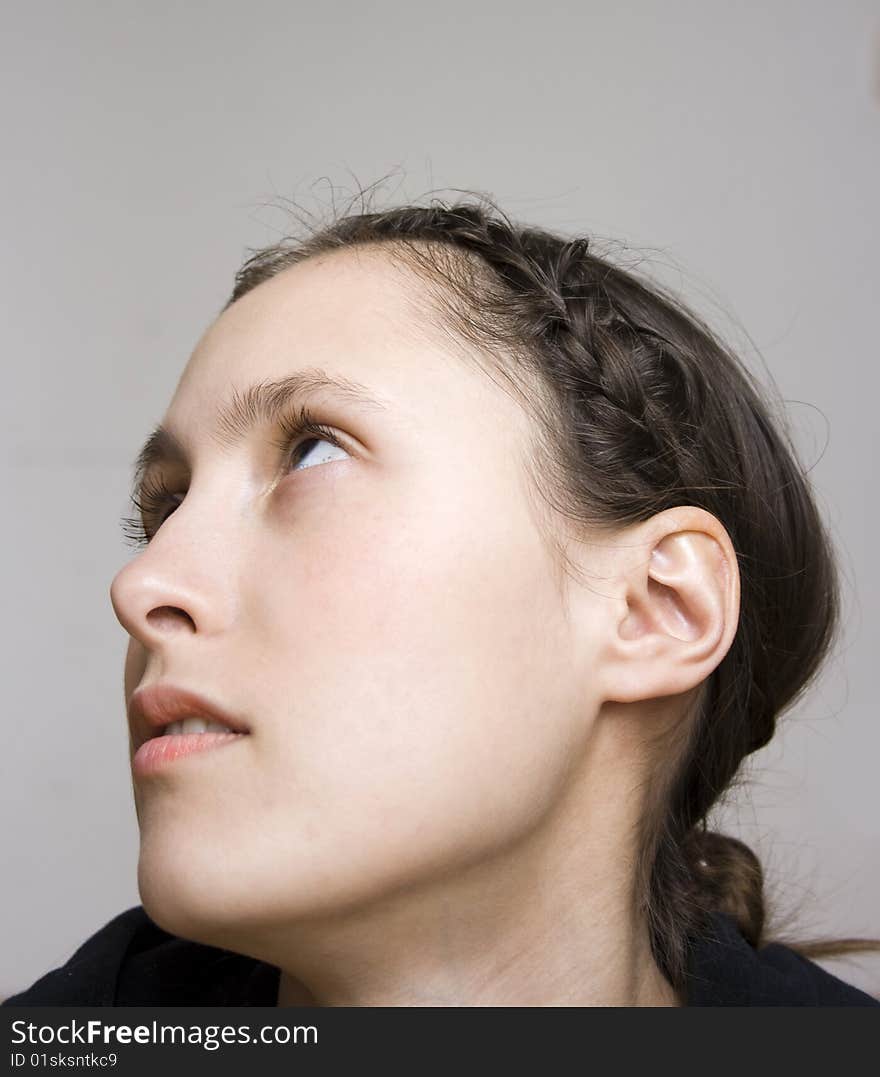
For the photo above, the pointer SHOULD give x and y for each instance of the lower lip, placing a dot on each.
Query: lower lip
(159, 752)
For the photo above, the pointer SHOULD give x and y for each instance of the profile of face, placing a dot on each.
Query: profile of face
(384, 615)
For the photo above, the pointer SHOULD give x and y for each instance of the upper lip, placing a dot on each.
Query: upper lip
(155, 706)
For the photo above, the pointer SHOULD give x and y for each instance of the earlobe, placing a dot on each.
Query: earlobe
(679, 608)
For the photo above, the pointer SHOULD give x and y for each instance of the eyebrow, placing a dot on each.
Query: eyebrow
(265, 402)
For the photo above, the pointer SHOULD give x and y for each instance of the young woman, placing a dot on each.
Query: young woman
(474, 566)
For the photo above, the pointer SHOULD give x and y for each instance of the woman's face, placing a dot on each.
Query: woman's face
(384, 617)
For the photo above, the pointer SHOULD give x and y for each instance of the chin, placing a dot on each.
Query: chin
(188, 894)
(211, 895)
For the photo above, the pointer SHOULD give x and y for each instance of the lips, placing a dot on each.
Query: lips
(156, 706)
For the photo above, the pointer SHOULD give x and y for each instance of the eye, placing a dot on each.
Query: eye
(317, 457)
(156, 502)
(301, 429)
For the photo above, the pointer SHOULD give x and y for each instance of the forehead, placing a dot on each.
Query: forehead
(358, 318)
(353, 313)
(353, 317)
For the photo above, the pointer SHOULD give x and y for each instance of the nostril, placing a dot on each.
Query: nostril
(167, 616)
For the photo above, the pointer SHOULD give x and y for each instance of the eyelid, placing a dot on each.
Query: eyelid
(300, 425)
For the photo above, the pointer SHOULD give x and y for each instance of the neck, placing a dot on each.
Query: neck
(550, 921)
(528, 964)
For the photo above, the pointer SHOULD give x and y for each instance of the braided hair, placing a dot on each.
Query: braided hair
(638, 408)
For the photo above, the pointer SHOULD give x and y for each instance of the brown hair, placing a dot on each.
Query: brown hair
(639, 407)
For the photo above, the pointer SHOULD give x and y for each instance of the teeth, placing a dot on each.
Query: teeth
(195, 725)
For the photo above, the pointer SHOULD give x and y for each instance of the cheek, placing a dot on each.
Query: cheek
(428, 703)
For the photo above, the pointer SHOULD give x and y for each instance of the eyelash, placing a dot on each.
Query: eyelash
(154, 494)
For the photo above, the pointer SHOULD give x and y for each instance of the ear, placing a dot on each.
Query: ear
(677, 606)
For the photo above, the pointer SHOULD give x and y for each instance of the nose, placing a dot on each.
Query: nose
(151, 605)
(179, 583)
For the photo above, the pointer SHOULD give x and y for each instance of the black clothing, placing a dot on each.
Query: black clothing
(133, 962)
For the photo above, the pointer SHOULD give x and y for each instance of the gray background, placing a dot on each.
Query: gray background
(732, 148)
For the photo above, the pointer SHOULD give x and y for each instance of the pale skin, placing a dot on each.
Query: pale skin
(436, 802)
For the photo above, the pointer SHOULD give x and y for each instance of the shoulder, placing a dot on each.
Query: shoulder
(725, 970)
(131, 961)
(89, 976)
